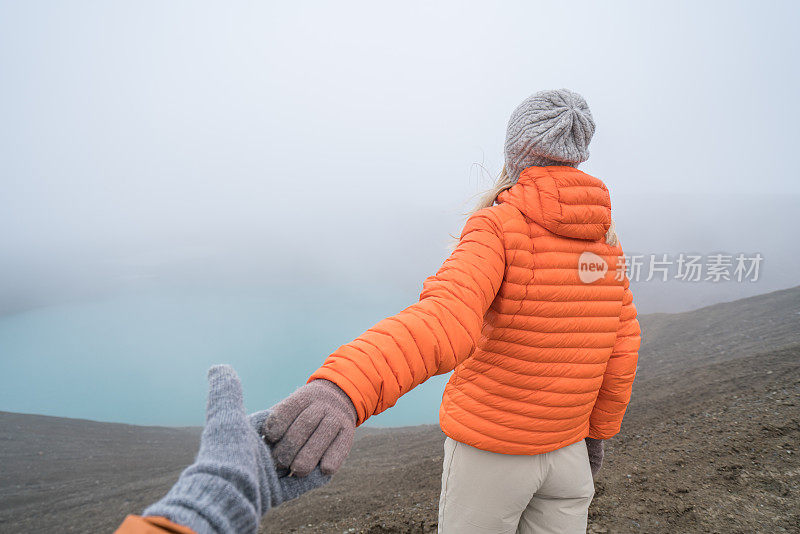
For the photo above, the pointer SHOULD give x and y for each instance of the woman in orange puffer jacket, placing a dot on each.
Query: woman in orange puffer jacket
(533, 312)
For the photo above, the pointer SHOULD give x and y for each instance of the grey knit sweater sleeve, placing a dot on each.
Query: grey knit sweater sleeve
(233, 481)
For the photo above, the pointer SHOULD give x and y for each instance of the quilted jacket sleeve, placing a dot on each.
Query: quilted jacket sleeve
(615, 393)
(430, 337)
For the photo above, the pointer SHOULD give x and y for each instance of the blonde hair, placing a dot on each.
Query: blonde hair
(504, 181)
(611, 235)
(488, 198)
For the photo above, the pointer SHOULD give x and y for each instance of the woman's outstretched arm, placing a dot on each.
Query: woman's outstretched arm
(369, 374)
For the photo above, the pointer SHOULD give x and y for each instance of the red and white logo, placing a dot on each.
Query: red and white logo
(591, 267)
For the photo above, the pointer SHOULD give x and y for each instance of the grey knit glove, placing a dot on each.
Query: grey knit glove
(314, 425)
(595, 449)
(233, 481)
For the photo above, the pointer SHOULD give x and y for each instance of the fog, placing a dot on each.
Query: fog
(282, 163)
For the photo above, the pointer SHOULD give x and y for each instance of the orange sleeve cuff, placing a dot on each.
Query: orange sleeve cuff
(135, 524)
(595, 434)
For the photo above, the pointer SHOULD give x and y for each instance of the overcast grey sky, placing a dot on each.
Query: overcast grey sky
(148, 147)
(241, 141)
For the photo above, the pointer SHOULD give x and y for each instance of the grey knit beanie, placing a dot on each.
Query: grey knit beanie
(549, 128)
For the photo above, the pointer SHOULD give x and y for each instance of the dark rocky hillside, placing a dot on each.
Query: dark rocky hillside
(674, 342)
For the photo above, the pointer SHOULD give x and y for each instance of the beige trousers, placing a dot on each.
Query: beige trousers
(486, 492)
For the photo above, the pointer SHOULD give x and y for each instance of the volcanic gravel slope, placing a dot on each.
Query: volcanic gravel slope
(709, 444)
(70, 475)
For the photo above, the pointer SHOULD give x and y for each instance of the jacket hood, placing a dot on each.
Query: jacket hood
(564, 200)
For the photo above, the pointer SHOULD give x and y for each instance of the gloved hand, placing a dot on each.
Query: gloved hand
(314, 425)
(595, 449)
(233, 481)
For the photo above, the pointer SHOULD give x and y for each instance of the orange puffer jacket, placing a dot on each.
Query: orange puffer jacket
(530, 310)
